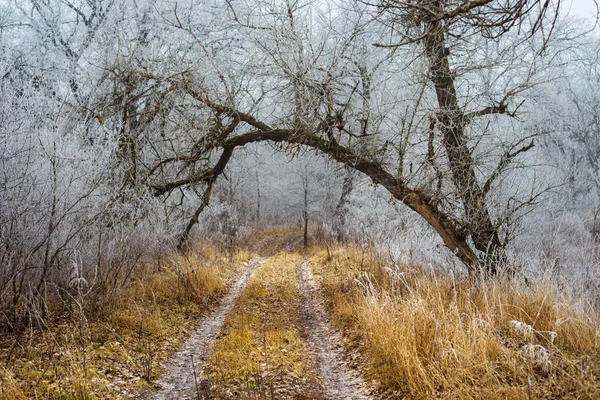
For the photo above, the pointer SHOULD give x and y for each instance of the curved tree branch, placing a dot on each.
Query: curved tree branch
(417, 200)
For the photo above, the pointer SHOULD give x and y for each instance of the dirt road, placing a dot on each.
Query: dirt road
(324, 345)
(319, 368)
(182, 374)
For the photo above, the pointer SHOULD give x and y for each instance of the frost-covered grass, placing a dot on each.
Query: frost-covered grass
(423, 335)
(116, 352)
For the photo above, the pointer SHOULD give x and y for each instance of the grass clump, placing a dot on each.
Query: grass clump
(423, 335)
(117, 350)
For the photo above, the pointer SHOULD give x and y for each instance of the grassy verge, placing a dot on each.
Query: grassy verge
(116, 353)
(426, 336)
(278, 230)
(261, 352)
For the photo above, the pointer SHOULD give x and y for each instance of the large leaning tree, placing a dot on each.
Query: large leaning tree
(415, 94)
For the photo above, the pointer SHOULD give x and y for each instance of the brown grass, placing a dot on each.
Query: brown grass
(119, 350)
(261, 353)
(426, 336)
(278, 231)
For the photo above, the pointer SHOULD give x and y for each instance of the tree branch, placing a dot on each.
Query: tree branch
(504, 161)
(501, 108)
(204, 176)
(417, 200)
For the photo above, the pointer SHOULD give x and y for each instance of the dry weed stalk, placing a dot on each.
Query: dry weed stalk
(425, 334)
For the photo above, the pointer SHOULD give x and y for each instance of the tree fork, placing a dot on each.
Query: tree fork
(210, 181)
(452, 127)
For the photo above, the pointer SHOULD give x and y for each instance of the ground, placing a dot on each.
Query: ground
(277, 321)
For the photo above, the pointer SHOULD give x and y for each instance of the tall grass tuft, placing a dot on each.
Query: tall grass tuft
(426, 335)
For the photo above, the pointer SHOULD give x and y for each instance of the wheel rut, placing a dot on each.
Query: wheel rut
(181, 378)
(338, 379)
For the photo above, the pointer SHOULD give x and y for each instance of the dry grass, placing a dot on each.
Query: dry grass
(116, 353)
(261, 353)
(10, 388)
(278, 230)
(427, 336)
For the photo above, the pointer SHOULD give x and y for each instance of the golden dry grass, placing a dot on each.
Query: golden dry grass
(261, 351)
(9, 387)
(118, 351)
(278, 230)
(427, 336)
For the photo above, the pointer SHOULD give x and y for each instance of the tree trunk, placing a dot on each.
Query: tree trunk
(183, 239)
(339, 215)
(305, 230)
(210, 181)
(257, 200)
(452, 124)
(305, 215)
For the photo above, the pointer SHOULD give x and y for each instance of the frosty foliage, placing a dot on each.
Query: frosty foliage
(522, 329)
(107, 150)
(538, 356)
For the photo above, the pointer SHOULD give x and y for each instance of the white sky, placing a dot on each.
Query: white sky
(581, 8)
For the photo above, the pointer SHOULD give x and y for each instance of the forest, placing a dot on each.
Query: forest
(299, 199)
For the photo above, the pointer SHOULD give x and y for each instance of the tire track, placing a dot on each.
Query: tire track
(339, 381)
(179, 379)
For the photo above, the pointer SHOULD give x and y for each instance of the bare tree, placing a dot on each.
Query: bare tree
(323, 99)
(306, 74)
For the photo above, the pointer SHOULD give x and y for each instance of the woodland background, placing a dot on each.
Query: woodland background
(115, 117)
